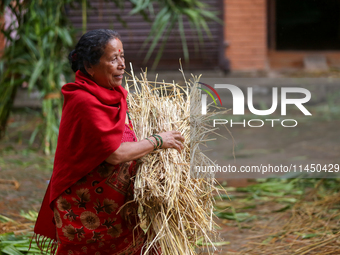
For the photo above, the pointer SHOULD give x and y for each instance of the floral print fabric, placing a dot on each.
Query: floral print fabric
(88, 215)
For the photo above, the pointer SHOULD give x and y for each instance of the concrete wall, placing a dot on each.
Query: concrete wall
(246, 34)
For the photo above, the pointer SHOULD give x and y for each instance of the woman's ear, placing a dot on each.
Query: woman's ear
(89, 69)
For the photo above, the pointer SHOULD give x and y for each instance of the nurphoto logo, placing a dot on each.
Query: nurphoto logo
(238, 99)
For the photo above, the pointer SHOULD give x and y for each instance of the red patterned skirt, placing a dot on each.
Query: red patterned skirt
(89, 217)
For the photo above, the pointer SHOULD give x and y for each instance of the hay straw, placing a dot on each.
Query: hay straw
(175, 202)
(317, 215)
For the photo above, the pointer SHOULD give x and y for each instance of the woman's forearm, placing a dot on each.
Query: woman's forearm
(130, 151)
(135, 150)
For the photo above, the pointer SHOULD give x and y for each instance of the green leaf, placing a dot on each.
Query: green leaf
(155, 26)
(140, 5)
(191, 14)
(201, 243)
(5, 219)
(307, 236)
(240, 217)
(30, 215)
(28, 249)
(224, 197)
(33, 135)
(271, 187)
(30, 45)
(267, 240)
(36, 73)
(203, 23)
(162, 23)
(14, 242)
(184, 41)
(160, 51)
(65, 36)
(212, 16)
(11, 250)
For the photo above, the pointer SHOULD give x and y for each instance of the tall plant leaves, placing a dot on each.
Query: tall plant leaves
(158, 28)
(158, 57)
(38, 56)
(184, 41)
(194, 10)
(38, 69)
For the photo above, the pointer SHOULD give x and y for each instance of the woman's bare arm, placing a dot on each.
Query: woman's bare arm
(133, 150)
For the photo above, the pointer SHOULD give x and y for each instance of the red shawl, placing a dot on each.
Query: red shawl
(91, 128)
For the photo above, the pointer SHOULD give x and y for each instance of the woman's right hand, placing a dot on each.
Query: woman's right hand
(172, 139)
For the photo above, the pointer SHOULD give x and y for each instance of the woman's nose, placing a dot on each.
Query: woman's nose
(121, 62)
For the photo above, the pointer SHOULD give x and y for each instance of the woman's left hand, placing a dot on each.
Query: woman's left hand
(172, 139)
(134, 150)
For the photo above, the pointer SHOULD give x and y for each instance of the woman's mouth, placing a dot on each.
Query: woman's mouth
(120, 76)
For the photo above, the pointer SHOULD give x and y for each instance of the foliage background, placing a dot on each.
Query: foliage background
(37, 55)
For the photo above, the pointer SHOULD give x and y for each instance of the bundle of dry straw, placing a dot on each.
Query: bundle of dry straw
(175, 202)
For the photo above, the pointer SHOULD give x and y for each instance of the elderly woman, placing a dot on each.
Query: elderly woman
(95, 159)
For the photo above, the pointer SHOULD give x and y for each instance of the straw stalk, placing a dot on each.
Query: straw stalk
(175, 202)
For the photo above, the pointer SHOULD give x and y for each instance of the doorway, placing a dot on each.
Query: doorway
(304, 25)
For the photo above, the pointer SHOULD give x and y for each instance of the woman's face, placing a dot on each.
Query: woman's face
(109, 71)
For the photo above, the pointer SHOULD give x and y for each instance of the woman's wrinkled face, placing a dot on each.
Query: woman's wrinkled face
(109, 71)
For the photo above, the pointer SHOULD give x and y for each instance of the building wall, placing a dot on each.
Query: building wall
(245, 33)
(137, 30)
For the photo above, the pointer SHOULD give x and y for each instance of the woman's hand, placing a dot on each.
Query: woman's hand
(134, 150)
(172, 139)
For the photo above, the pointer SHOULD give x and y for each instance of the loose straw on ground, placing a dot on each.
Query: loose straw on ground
(175, 202)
